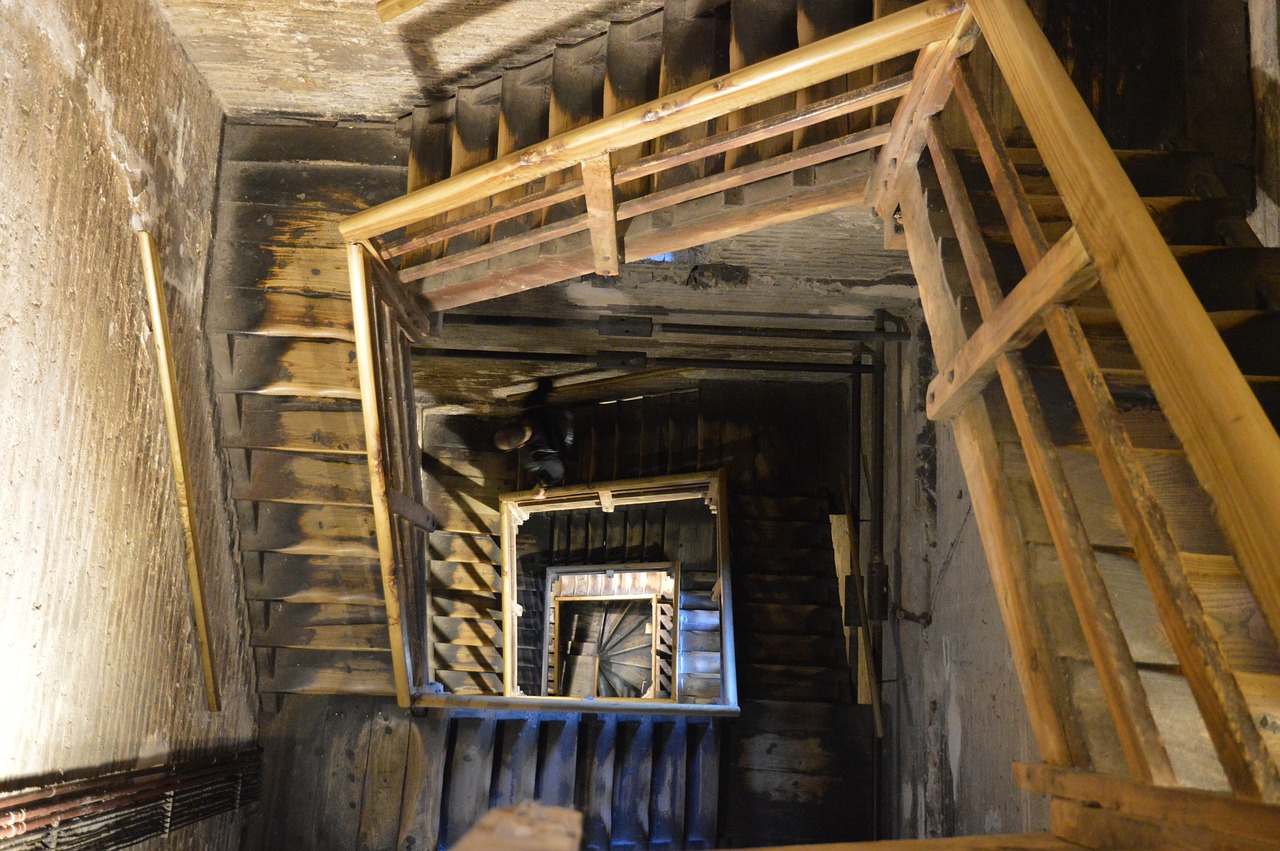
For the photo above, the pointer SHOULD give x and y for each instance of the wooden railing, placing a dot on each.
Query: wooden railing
(1112, 243)
(570, 184)
(402, 524)
(1234, 451)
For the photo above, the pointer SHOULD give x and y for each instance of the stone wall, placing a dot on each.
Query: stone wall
(106, 128)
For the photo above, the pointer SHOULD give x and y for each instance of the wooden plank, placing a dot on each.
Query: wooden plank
(1131, 714)
(558, 770)
(633, 64)
(666, 813)
(1250, 822)
(286, 426)
(767, 30)
(346, 753)
(465, 576)
(470, 773)
(602, 214)
(295, 477)
(291, 367)
(891, 36)
(633, 783)
(465, 657)
(1043, 688)
(328, 672)
(703, 786)
(1227, 717)
(278, 313)
(1231, 444)
(167, 374)
(384, 781)
(515, 779)
(594, 792)
(363, 302)
(424, 780)
(313, 579)
(817, 19)
(1063, 273)
(323, 530)
(694, 49)
(355, 637)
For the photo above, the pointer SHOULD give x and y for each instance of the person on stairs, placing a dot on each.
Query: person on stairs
(543, 432)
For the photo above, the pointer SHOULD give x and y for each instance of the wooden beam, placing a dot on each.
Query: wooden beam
(1052, 722)
(1126, 699)
(411, 510)
(1067, 270)
(602, 213)
(362, 306)
(168, 375)
(1249, 823)
(891, 36)
(1230, 442)
(1245, 759)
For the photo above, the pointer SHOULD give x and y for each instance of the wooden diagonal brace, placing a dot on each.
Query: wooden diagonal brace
(602, 213)
(1066, 271)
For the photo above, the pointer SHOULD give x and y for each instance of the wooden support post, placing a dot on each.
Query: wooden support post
(602, 213)
(1126, 698)
(154, 278)
(1230, 442)
(1067, 270)
(1055, 728)
(1244, 755)
(363, 307)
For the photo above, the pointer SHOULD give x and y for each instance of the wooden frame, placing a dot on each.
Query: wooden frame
(653, 667)
(671, 567)
(516, 508)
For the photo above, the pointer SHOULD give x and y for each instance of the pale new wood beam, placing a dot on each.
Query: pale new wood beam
(602, 213)
(177, 444)
(1064, 273)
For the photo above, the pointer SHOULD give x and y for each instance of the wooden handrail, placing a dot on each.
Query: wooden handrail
(886, 38)
(1230, 443)
(181, 474)
(366, 353)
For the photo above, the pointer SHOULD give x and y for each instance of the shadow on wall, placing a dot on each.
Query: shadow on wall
(420, 28)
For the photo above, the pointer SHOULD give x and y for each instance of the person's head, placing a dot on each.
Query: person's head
(512, 436)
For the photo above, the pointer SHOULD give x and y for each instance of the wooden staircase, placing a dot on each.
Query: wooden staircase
(279, 324)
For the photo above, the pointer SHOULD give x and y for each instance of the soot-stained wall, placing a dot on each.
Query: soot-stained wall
(106, 128)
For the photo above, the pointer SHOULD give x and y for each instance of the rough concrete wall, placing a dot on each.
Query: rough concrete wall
(1264, 42)
(106, 128)
(961, 720)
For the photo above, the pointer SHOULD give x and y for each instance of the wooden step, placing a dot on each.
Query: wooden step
(461, 604)
(793, 682)
(1151, 172)
(632, 71)
(695, 48)
(785, 619)
(469, 682)
(468, 658)
(522, 121)
(799, 534)
(761, 29)
(815, 650)
(812, 508)
(313, 579)
(325, 530)
(465, 576)
(284, 366)
(299, 477)
(475, 142)
(781, 560)
(771, 588)
(346, 636)
(795, 717)
(276, 313)
(482, 632)
(459, 546)
(1186, 506)
(290, 424)
(324, 672)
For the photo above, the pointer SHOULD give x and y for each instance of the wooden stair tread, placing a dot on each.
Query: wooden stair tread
(354, 637)
(302, 579)
(325, 672)
(279, 313)
(304, 478)
(292, 428)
